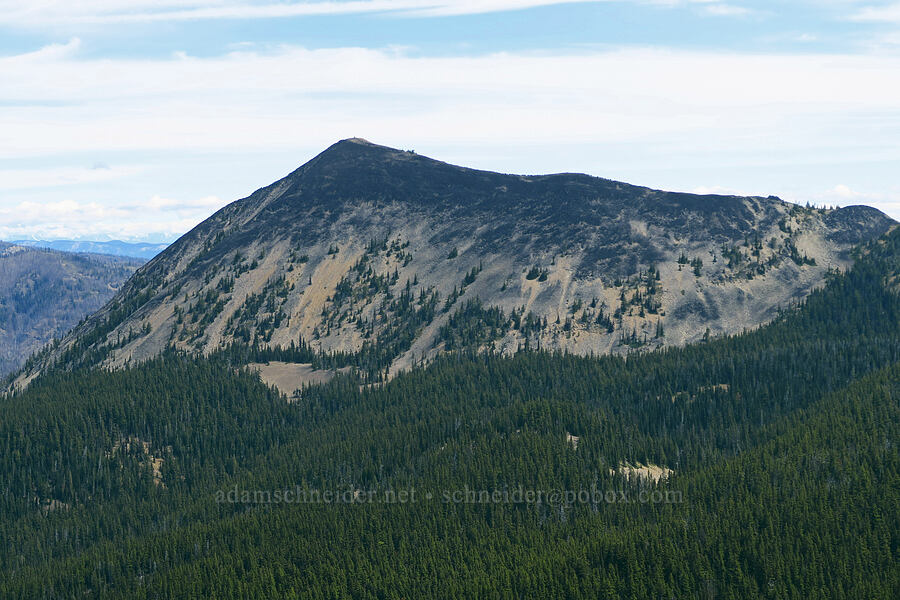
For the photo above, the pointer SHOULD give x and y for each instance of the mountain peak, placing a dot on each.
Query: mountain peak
(355, 144)
(367, 246)
(352, 153)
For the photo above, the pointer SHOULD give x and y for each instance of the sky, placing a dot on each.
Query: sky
(137, 119)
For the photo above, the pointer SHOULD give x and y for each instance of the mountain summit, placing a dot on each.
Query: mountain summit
(384, 258)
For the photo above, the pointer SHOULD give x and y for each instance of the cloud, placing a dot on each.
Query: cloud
(844, 192)
(206, 202)
(20, 179)
(726, 10)
(844, 195)
(143, 11)
(48, 53)
(888, 201)
(878, 14)
(67, 219)
(14, 13)
(254, 100)
(718, 190)
(470, 7)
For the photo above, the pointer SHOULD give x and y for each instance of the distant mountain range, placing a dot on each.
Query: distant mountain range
(113, 247)
(44, 293)
(385, 258)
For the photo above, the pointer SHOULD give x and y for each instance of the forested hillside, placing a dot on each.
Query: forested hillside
(776, 453)
(44, 293)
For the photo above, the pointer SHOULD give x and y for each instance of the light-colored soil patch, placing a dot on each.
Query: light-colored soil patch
(154, 462)
(128, 443)
(156, 465)
(652, 473)
(144, 346)
(289, 377)
(251, 282)
(52, 504)
(718, 387)
(573, 440)
(306, 314)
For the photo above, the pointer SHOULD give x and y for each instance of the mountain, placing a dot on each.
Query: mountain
(145, 251)
(380, 258)
(760, 465)
(44, 293)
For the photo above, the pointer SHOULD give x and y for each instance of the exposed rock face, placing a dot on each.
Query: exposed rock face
(44, 293)
(366, 247)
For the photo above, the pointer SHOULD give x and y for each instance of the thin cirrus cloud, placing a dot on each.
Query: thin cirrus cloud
(889, 13)
(16, 13)
(727, 10)
(23, 179)
(159, 203)
(142, 11)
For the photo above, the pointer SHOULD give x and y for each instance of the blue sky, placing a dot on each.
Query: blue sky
(136, 119)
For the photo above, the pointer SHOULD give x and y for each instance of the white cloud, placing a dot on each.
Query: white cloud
(718, 190)
(142, 11)
(206, 202)
(50, 12)
(844, 192)
(68, 219)
(726, 10)
(19, 179)
(246, 100)
(844, 195)
(879, 14)
(50, 52)
(888, 201)
(468, 7)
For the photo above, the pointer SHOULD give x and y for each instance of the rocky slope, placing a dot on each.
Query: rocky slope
(391, 257)
(44, 293)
